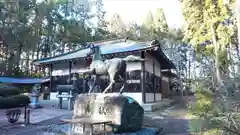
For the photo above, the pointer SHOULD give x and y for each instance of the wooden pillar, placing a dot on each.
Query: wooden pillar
(161, 82)
(70, 71)
(169, 83)
(84, 86)
(154, 80)
(70, 93)
(142, 80)
(51, 77)
(60, 100)
(74, 76)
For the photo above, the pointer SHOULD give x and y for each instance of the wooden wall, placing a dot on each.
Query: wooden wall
(165, 87)
(61, 69)
(149, 64)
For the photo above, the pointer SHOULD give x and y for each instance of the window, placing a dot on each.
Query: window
(134, 75)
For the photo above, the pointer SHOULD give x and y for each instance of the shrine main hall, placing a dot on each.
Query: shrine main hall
(147, 81)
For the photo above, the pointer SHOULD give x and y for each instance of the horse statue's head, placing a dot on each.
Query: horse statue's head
(95, 51)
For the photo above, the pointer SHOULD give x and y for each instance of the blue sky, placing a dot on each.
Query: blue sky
(136, 10)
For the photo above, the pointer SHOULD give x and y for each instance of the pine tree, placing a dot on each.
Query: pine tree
(160, 21)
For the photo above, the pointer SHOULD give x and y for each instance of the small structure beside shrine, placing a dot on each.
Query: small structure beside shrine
(144, 78)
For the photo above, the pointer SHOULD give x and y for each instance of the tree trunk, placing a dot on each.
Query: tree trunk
(238, 22)
(32, 58)
(218, 78)
(19, 52)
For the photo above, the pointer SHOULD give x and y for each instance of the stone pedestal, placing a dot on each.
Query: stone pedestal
(124, 112)
(69, 98)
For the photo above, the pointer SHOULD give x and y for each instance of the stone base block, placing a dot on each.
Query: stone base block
(124, 112)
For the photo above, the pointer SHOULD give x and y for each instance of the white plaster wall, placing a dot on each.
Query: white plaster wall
(60, 72)
(63, 69)
(149, 63)
(80, 63)
(157, 68)
(164, 78)
(60, 69)
(158, 96)
(131, 66)
(62, 65)
(80, 67)
(149, 97)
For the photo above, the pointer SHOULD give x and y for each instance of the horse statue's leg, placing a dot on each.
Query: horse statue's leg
(92, 87)
(109, 86)
(122, 88)
(112, 81)
(124, 83)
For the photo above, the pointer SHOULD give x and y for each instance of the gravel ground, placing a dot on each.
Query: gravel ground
(171, 120)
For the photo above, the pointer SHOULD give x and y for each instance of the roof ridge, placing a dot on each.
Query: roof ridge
(113, 41)
(102, 42)
(73, 51)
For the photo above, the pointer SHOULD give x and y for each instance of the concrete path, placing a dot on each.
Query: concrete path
(170, 119)
(37, 115)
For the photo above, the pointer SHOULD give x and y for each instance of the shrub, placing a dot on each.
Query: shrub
(14, 101)
(8, 90)
(209, 108)
(10, 97)
(3, 102)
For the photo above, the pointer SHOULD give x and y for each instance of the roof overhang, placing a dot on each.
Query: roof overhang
(13, 80)
(168, 73)
(113, 48)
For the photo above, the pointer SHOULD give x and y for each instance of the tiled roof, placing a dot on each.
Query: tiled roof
(110, 47)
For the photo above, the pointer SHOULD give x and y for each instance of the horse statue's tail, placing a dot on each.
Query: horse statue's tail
(132, 58)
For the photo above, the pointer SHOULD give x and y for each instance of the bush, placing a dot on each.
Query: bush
(209, 108)
(6, 93)
(10, 97)
(8, 90)
(3, 102)
(14, 101)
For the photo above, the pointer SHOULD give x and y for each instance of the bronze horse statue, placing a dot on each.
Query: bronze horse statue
(115, 67)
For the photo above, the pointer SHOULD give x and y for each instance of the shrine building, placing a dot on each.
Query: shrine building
(147, 81)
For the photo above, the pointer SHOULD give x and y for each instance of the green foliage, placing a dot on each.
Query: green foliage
(34, 29)
(209, 109)
(6, 90)
(200, 17)
(10, 97)
(196, 125)
(14, 101)
(37, 75)
(203, 102)
(117, 27)
(160, 21)
(18, 72)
